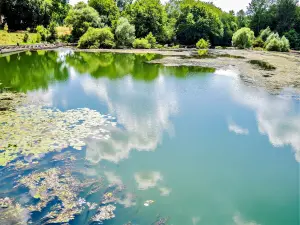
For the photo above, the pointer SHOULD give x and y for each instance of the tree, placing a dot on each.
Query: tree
(123, 3)
(125, 33)
(20, 14)
(286, 14)
(241, 19)
(151, 39)
(107, 10)
(243, 38)
(81, 17)
(258, 14)
(147, 16)
(198, 20)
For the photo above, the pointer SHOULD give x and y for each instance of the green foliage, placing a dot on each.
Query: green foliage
(264, 34)
(243, 38)
(43, 32)
(125, 33)
(81, 17)
(5, 27)
(141, 43)
(38, 38)
(148, 16)
(202, 44)
(258, 49)
(294, 38)
(107, 9)
(26, 37)
(203, 53)
(97, 38)
(242, 20)
(198, 20)
(151, 40)
(275, 43)
(20, 14)
(52, 32)
(258, 43)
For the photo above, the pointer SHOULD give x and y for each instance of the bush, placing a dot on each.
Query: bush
(203, 52)
(97, 38)
(258, 49)
(202, 44)
(264, 34)
(243, 38)
(159, 46)
(275, 43)
(44, 33)
(38, 38)
(141, 43)
(151, 40)
(125, 33)
(6, 27)
(26, 37)
(258, 43)
(52, 32)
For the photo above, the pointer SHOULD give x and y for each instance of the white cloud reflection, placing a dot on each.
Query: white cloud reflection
(143, 111)
(233, 127)
(146, 180)
(238, 220)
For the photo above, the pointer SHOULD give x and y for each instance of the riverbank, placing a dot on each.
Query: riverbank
(273, 71)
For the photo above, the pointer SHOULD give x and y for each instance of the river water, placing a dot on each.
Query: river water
(183, 145)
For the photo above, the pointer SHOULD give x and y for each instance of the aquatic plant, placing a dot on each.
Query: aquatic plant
(12, 213)
(104, 213)
(35, 131)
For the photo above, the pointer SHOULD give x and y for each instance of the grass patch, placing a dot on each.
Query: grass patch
(231, 56)
(16, 37)
(262, 64)
(61, 31)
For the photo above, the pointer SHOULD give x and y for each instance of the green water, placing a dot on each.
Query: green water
(206, 148)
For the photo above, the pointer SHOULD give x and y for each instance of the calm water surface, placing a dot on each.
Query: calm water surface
(203, 146)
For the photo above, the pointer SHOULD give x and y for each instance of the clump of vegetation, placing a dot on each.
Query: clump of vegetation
(26, 37)
(231, 56)
(264, 34)
(202, 53)
(258, 43)
(141, 43)
(275, 43)
(262, 64)
(43, 32)
(243, 38)
(52, 32)
(202, 44)
(97, 38)
(5, 27)
(125, 33)
(151, 40)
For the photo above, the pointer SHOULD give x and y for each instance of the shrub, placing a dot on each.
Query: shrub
(203, 52)
(175, 46)
(38, 38)
(218, 47)
(26, 37)
(141, 43)
(202, 44)
(243, 38)
(6, 27)
(125, 32)
(159, 46)
(151, 40)
(275, 43)
(258, 43)
(97, 38)
(52, 32)
(264, 34)
(44, 33)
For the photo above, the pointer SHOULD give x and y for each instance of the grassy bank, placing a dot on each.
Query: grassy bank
(16, 37)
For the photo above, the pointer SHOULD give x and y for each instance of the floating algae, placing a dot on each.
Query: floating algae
(11, 213)
(51, 184)
(104, 213)
(35, 130)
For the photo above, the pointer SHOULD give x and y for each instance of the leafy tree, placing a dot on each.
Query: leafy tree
(125, 32)
(81, 17)
(198, 20)
(258, 14)
(107, 9)
(294, 38)
(264, 34)
(242, 20)
(286, 13)
(97, 38)
(243, 38)
(147, 16)
(230, 26)
(52, 32)
(123, 3)
(43, 32)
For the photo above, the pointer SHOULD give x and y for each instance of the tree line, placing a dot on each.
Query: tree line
(144, 23)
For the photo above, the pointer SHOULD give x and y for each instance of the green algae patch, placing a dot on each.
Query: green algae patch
(262, 64)
(35, 131)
